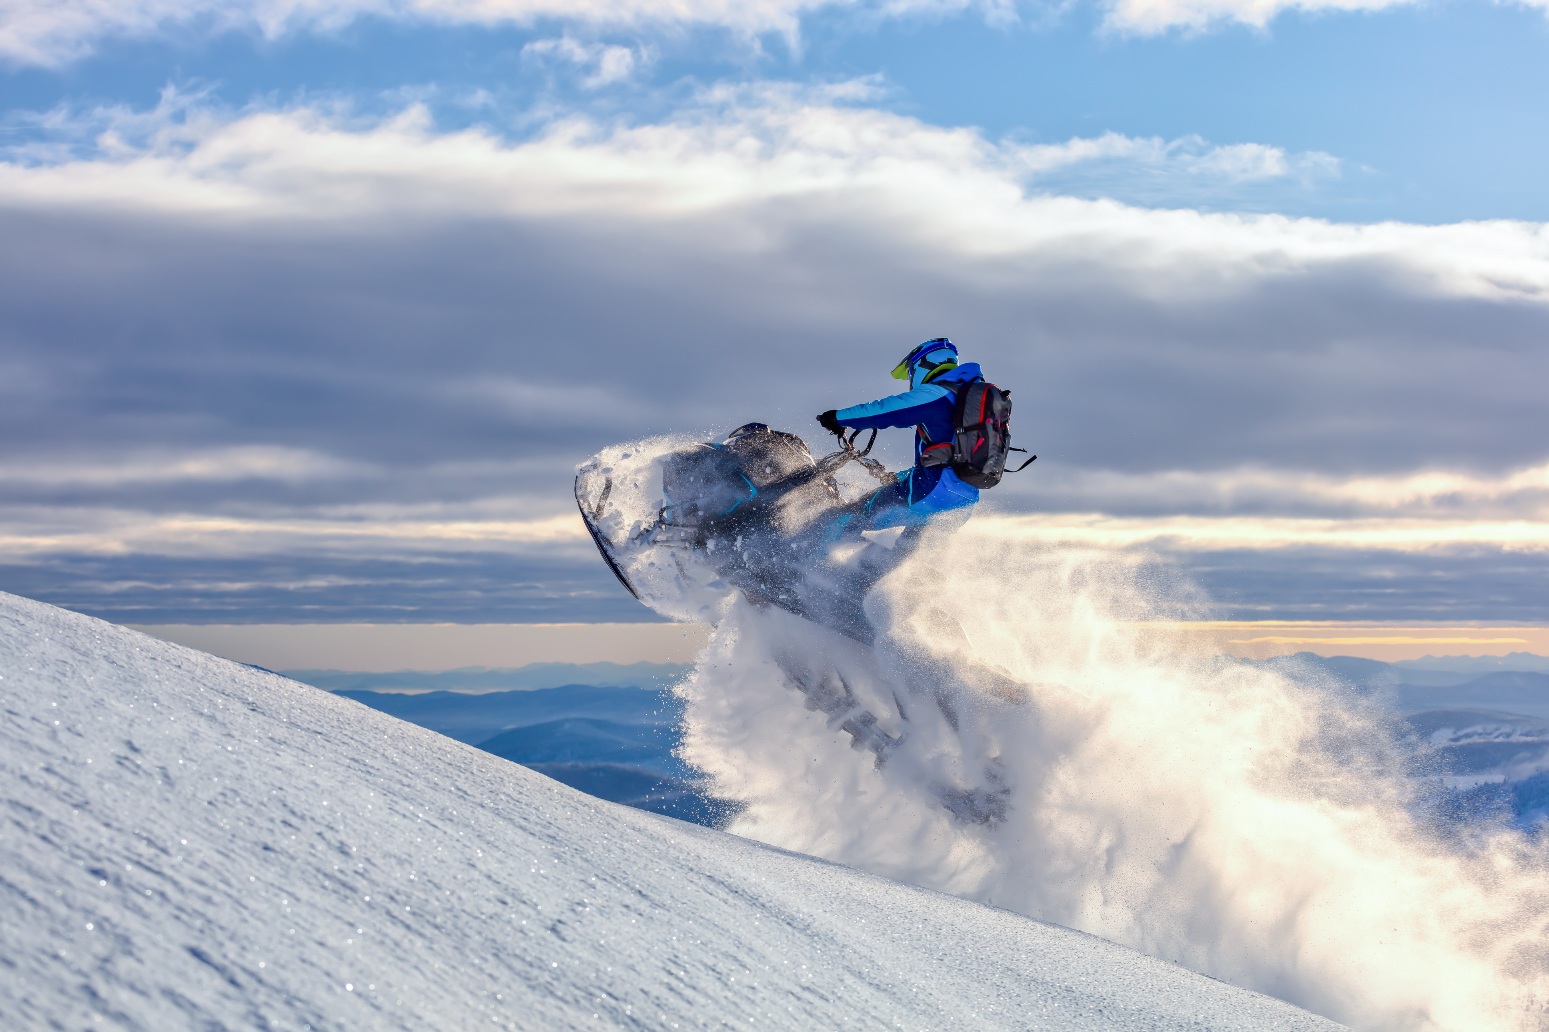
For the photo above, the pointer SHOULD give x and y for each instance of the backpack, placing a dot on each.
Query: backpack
(981, 438)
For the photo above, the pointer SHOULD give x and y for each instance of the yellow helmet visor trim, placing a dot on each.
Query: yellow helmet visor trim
(901, 370)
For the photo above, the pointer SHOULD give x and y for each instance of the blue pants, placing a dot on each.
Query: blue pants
(914, 500)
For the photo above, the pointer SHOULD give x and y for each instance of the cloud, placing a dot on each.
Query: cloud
(800, 211)
(743, 149)
(1314, 339)
(1153, 17)
(1516, 494)
(50, 33)
(108, 532)
(1188, 155)
(1390, 639)
(1249, 533)
(606, 64)
(477, 587)
(251, 462)
(53, 32)
(1150, 17)
(298, 332)
(1188, 172)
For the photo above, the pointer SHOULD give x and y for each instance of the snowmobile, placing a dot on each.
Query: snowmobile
(765, 516)
(758, 513)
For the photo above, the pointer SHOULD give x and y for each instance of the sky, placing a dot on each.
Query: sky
(310, 308)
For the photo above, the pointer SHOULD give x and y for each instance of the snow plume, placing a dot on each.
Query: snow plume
(1262, 829)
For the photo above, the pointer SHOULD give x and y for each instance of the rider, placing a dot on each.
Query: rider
(921, 492)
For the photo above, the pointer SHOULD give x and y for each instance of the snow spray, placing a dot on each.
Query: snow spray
(1258, 827)
(1261, 826)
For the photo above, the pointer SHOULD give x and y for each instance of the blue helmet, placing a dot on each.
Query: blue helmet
(930, 356)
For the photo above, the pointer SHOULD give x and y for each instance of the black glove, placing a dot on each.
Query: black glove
(830, 421)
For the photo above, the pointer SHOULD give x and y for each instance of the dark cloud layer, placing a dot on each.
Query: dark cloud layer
(471, 588)
(1463, 585)
(1474, 585)
(418, 345)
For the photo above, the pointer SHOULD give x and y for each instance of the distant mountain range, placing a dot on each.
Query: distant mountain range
(1470, 683)
(1510, 692)
(1474, 665)
(531, 677)
(612, 742)
(476, 717)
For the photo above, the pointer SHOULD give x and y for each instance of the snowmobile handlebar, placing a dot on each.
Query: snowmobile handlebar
(848, 452)
(848, 443)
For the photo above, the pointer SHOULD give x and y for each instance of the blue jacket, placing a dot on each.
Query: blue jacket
(927, 407)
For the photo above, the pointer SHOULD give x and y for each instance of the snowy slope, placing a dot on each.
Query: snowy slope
(191, 843)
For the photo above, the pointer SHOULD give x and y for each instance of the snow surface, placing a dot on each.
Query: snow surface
(192, 843)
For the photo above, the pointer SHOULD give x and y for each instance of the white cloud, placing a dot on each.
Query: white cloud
(1189, 171)
(34, 534)
(1151, 17)
(604, 63)
(1147, 17)
(246, 462)
(497, 524)
(1519, 494)
(1235, 533)
(741, 151)
(51, 32)
(1188, 155)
